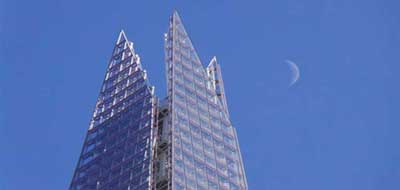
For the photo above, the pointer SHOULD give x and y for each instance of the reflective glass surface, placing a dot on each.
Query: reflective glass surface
(117, 150)
(205, 149)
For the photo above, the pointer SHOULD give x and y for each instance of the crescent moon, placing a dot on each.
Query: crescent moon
(295, 72)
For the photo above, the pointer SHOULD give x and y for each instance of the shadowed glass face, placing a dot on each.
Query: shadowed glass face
(117, 149)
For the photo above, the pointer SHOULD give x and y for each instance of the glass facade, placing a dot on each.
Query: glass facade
(183, 142)
(117, 150)
(205, 150)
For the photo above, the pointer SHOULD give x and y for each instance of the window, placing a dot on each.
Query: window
(187, 146)
(92, 135)
(179, 186)
(207, 136)
(210, 161)
(178, 153)
(179, 163)
(179, 176)
(212, 185)
(202, 179)
(223, 182)
(208, 149)
(220, 157)
(191, 184)
(195, 130)
(222, 168)
(190, 172)
(230, 152)
(197, 142)
(204, 123)
(229, 141)
(187, 157)
(89, 148)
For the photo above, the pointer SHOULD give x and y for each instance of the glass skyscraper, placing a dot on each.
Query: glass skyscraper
(184, 141)
(117, 152)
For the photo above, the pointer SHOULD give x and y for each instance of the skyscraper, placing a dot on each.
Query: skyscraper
(117, 150)
(184, 141)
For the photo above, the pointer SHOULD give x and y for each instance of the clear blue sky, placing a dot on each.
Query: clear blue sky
(336, 128)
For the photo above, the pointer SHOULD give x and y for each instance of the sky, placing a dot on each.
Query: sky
(336, 128)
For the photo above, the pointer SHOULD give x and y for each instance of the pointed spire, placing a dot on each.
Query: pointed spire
(215, 75)
(177, 22)
(213, 62)
(121, 37)
(175, 13)
(175, 16)
(177, 33)
(122, 42)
